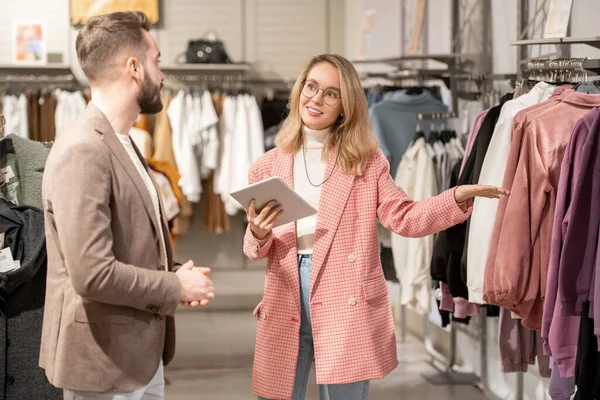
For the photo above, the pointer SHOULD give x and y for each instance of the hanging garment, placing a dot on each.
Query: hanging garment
(394, 121)
(14, 110)
(33, 113)
(22, 295)
(69, 105)
(22, 164)
(450, 243)
(560, 331)
(519, 347)
(209, 135)
(578, 256)
(180, 112)
(163, 151)
(416, 175)
(216, 219)
(492, 173)
(521, 122)
(227, 131)
(48, 105)
(587, 370)
(530, 211)
(473, 135)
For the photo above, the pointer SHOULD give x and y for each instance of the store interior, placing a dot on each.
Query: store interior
(479, 307)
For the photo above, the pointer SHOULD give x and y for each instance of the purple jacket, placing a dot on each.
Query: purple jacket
(578, 256)
(560, 331)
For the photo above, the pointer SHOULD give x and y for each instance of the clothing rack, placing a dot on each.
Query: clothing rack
(35, 75)
(561, 70)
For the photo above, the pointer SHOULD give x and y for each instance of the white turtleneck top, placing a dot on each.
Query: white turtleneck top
(305, 227)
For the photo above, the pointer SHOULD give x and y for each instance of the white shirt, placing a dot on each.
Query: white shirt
(492, 173)
(416, 174)
(315, 167)
(127, 144)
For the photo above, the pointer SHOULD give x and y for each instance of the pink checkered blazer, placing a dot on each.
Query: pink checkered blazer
(353, 330)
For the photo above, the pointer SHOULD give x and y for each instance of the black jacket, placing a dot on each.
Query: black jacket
(22, 294)
(450, 244)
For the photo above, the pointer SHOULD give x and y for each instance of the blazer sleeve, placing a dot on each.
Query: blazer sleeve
(253, 248)
(83, 223)
(398, 213)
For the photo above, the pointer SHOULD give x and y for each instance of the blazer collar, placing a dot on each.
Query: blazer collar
(103, 127)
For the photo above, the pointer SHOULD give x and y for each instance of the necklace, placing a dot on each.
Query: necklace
(333, 169)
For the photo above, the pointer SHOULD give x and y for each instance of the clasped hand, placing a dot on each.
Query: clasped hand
(197, 289)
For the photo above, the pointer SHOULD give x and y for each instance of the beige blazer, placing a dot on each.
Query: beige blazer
(108, 287)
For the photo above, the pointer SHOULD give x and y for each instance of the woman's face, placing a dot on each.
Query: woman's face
(321, 99)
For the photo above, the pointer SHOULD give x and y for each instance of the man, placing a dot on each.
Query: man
(110, 283)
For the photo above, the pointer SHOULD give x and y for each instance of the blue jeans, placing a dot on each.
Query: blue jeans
(306, 351)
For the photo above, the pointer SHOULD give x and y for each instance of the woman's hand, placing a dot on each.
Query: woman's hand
(262, 224)
(466, 192)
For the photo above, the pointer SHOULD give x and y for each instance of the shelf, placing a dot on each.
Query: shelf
(594, 41)
(200, 68)
(451, 59)
(48, 73)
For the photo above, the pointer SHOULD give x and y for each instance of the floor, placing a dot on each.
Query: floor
(214, 361)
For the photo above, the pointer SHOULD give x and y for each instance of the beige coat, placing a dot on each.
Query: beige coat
(107, 289)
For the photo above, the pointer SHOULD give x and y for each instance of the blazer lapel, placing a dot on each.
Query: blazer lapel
(334, 196)
(284, 169)
(102, 126)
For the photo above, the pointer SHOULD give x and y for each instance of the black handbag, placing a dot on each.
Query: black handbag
(207, 50)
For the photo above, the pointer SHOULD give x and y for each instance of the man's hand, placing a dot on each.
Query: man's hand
(197, 288)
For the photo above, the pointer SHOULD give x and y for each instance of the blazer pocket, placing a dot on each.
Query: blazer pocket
(91, 312)
(374, 290)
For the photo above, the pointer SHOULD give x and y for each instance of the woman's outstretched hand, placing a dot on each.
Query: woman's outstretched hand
(466, 192)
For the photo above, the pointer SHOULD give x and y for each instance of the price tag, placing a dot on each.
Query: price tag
(6, 260)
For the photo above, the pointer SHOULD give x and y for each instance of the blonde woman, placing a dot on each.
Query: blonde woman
(325, 297)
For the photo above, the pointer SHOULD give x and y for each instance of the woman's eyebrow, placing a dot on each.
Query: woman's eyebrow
(327, 88)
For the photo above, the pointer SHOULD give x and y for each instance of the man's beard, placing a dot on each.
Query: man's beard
(149, 99)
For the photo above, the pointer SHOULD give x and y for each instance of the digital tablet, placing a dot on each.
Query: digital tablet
(294, 206)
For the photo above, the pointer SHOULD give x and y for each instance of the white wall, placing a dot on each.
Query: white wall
(279, 34)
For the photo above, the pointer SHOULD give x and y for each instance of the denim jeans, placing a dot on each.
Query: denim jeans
(306, 351)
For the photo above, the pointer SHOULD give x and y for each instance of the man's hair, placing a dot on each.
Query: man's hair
(102, 40)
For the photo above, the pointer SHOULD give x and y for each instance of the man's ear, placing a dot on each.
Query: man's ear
(134, 68)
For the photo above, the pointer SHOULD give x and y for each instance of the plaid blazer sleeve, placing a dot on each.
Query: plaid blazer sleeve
(253, 248)
(398, 213)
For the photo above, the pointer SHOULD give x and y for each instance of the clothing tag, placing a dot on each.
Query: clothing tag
(6, 260)
(6, 174)
(1, 240)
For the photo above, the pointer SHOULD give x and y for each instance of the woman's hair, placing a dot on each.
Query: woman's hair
(351, 135)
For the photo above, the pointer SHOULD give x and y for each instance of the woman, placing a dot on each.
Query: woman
(325, 295)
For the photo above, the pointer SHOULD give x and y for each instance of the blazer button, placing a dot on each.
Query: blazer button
(351, 258)
(352, 301)
(10, 380)
(264, 315)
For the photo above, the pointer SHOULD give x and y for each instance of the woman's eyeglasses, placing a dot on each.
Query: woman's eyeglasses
(330, 96)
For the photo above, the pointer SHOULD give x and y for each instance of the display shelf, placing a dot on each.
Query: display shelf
(593, 41)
